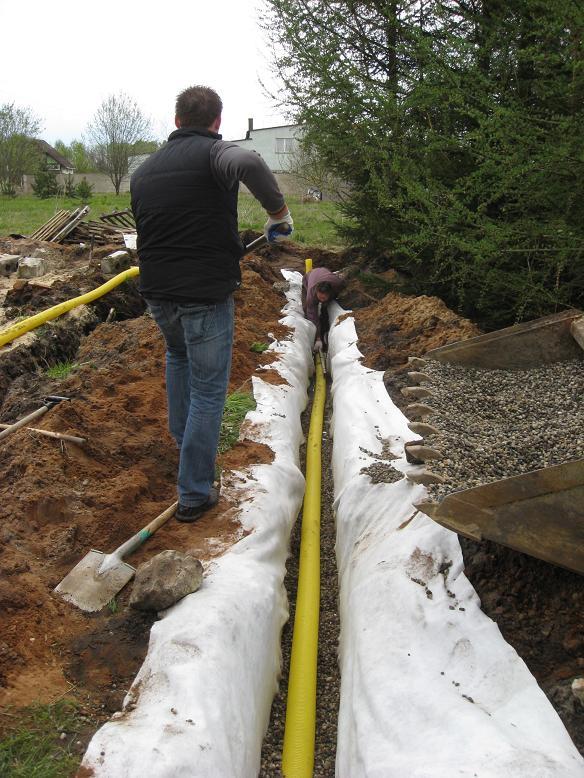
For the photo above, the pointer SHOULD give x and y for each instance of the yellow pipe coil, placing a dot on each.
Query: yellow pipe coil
(307, 265)
(299, 732)
(26, 325)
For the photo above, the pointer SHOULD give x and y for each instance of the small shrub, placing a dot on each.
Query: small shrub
(8, 189)
(84, 190)
(61, 369)
(236, 406)
(69, 188)
(45, 183)
(258, 347)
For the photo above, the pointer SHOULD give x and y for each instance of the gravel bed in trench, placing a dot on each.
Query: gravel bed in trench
(494, 424)
(328, 676)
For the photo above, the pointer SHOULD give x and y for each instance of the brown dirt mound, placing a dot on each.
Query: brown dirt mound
(398, 326)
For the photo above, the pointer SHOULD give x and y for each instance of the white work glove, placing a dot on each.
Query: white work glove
(277, 230)
(317, 347)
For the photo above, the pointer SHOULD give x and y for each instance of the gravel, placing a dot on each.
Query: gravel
(498, 423)
(328, 676)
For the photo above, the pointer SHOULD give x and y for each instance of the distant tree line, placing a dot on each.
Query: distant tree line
(117, 131)
(457, 127)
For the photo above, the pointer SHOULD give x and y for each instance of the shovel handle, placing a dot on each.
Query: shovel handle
(24, 421)
(257, 243)
(136, 540)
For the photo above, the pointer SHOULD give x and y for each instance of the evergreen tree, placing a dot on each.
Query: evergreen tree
(45, 183)
(457, 128)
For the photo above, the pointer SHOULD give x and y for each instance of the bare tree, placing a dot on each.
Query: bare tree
(18, 152)
(309, 168)
(118, 124)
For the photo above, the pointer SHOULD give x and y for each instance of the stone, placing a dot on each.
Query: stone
(164, 580)
(19, 284)
(31, 267)
(115, 263)
(573, 643)
(577, 330)
(417, 392)
(8, 264)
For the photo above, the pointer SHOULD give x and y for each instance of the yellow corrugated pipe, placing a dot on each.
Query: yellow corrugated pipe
(299, 732)
(26, 325)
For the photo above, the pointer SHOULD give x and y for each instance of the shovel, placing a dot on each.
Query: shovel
(98, 577)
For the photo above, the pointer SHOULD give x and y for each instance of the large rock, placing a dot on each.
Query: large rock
(115, 263)
(8, 264)
(31, 267)
(165, 579)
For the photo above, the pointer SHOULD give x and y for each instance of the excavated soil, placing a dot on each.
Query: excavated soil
(59, 500)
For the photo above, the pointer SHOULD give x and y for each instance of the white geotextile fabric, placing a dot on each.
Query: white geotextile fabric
(200, 703)
(429, 687)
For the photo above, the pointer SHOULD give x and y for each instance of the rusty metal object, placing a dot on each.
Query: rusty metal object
(540, 513)
(531, 344)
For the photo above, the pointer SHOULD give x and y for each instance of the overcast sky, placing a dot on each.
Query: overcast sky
(63, 58)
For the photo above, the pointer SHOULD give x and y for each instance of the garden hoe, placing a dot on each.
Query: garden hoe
(98, 577)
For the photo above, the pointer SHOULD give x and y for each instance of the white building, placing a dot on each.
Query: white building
(275, 145)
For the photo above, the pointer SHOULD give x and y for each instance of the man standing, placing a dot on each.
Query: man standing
(320, 286)
(184, 199)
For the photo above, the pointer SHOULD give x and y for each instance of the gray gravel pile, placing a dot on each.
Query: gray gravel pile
(328, 676)
(496, 423)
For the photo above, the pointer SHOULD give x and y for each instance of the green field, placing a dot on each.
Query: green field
(314, 221)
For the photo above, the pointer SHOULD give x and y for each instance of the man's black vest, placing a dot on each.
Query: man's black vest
(188, 243)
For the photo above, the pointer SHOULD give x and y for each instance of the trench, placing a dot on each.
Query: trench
(59, 340)
(328, 675)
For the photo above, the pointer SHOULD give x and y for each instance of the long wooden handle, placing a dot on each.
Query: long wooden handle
(24, 421)
(257, 243)
(50, 434)
(136, 540)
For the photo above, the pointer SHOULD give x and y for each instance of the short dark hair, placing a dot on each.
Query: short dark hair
(325, 288)
(198, 106)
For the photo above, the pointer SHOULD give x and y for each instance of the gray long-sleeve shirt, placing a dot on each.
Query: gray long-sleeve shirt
(230, 163)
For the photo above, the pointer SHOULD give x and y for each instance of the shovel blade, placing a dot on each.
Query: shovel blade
(89, 589)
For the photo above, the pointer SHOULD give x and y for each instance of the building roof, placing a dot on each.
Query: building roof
(46, 148)
(262, 129)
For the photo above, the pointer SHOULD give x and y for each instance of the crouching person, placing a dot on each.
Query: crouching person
(319, 287)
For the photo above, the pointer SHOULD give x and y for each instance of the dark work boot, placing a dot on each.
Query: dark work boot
(187, 513)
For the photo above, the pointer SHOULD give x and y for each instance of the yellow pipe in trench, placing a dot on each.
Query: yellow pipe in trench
(299, 732)
(26, 325)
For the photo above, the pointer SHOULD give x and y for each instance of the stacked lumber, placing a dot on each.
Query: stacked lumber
(68, 227)
(98, 233)
(60, 225)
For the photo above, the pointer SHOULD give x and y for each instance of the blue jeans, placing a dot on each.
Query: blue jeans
(199, 340)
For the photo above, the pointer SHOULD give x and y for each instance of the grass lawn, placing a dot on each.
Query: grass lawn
(24, 215)
(40, 741)
(314, 221)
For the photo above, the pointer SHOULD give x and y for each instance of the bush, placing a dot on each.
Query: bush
(84, 190)
(69, 188)
(45, 183)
